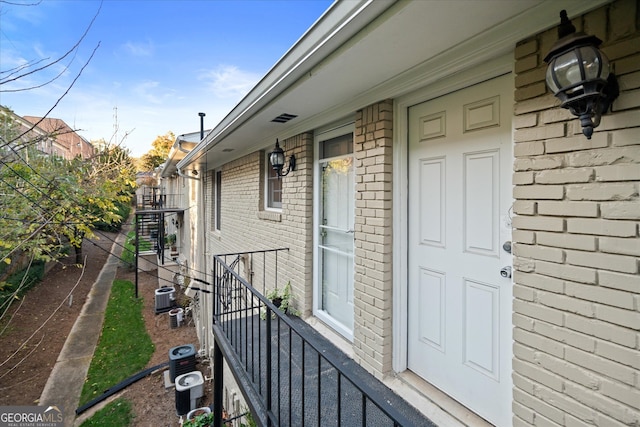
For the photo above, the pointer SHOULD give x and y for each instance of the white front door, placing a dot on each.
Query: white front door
(459, 324)
(335, 231)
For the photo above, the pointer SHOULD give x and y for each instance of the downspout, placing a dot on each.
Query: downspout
(217, 372)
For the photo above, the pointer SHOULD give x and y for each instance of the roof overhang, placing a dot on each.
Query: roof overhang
(361, 52)
(181, 147)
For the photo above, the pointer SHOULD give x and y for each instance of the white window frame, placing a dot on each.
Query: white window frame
(271, 176)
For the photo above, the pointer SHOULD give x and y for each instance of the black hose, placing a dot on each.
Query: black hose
(116, 388)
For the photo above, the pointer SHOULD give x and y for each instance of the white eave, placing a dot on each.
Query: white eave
(183, 145)
(362, 51)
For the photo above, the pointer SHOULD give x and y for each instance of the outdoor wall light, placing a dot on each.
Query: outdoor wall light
(276, 157)
(578, 74)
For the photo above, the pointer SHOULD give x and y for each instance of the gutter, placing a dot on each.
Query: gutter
(170, 163)
(184, 150)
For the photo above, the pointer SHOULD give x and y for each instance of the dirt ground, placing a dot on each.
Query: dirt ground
(41, 321)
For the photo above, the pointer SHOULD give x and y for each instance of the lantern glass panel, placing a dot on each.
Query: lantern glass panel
(551, 84)
(567, 69)
(277, 158)
(591, 62)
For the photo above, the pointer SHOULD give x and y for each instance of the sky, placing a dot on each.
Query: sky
(156, 65)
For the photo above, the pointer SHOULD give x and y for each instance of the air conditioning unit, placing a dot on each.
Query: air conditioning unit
(189, 388)
(165, 299)
(182, 359)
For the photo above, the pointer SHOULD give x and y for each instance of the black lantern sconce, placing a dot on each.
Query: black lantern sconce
(578, 74)
(276, 157)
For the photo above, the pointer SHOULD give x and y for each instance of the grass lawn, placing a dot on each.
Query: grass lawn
(124, 348)
(117, 413)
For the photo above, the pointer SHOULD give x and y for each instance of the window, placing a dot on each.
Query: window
(217, 200)
(273, 187)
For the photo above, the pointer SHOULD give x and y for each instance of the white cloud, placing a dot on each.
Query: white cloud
(148, 91)
(139, 49)
(228, 81)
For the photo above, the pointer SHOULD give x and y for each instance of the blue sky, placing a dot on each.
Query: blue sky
(158, 62)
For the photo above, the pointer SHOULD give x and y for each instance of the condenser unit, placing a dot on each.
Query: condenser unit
(182, 359)
(165, 299)
(189, 388)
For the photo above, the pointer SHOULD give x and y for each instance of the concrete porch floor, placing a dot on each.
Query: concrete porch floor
(292, 372)
(438, 407)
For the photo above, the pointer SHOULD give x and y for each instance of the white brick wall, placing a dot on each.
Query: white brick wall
(373, 239)
(246, 226)
(576, 242)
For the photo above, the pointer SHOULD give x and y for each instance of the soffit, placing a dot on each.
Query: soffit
(404, 46)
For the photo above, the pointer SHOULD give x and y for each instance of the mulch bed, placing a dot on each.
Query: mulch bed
(41, 322)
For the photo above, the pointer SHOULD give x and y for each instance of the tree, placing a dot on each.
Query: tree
(46, 202)
(52, 202)
(109, 180)
(158, 154)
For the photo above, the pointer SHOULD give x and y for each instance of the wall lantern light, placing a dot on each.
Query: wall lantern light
(578, 74)
(276, 157)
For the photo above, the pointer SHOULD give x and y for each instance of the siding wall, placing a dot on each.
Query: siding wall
(577, 289)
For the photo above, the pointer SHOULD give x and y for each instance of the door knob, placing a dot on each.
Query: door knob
(506, 272)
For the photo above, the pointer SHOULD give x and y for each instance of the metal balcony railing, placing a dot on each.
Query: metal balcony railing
(289, 375)
(157, 200)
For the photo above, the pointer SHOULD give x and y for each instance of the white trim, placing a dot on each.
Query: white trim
(328, 132)
(266, 191)
(471, 76)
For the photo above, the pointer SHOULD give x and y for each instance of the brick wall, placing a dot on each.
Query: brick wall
(373, 239)
(577, 288)
(246, 226)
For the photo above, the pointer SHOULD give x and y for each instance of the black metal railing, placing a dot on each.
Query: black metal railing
(287, 375)
(157, 200)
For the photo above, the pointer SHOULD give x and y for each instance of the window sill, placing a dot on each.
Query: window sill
(270, 216)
